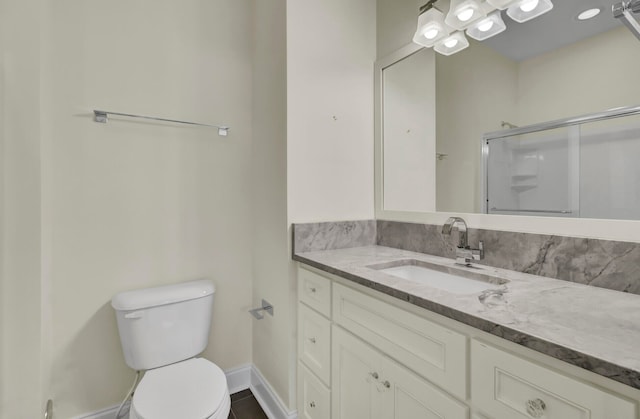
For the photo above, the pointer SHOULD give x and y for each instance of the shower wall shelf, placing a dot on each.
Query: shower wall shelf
(102, 117)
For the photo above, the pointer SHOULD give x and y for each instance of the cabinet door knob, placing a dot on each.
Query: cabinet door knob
(387, 384)
(312, 340)
(535, 408)
(312, 405)
(374, 375)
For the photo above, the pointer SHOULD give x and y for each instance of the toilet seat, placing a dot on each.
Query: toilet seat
(191, 389)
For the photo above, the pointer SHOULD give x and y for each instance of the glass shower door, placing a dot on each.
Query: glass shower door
(536, 173)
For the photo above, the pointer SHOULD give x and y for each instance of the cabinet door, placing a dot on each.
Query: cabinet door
(367, 384)
(406, 395)
(433, 351)
(354, 368)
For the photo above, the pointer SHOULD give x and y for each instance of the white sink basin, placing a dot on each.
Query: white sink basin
(453, 280)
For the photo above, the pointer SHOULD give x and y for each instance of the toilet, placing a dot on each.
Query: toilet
(162, 330)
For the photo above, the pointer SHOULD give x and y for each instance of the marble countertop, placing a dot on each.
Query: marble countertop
(594, 328)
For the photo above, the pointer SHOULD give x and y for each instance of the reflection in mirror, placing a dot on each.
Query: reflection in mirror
(409, 133)
(535, 173)
(550, 68)
(586, 170)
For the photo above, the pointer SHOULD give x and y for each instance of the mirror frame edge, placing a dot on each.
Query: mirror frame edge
(620, 230)
(379, 66)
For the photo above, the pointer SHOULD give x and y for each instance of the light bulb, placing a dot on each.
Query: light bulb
(485, 25)
(588, 14)
(465, 14)
(431, 33)
(529, 5)
(450, 43)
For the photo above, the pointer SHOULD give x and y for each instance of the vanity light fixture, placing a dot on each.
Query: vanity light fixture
(524, 10)
(487, 27)
(456, 42)
(501, 4)
(482, 19)
(431, 27)
(463, 13)
(589, 13)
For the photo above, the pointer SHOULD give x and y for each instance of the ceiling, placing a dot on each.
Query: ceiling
(555, 29)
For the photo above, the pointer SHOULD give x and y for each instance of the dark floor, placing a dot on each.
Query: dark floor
(245, 406)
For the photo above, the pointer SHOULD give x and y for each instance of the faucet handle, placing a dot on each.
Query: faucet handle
(478, 254)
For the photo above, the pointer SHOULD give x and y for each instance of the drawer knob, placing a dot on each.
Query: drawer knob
(312, 289)
(312, 405)
(312, 340)
(535, 408)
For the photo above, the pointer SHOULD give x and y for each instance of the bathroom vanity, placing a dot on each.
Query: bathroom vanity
(500, 345)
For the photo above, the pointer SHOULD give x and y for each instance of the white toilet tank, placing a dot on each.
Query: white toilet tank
(163, 325)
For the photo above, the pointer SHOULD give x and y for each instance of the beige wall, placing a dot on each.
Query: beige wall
(22, 381)
(142, 204)
(409, 132)
(590, 76)
(475, 92)
(272, 337)
(331, 48)
(396, 24)
(97, 209)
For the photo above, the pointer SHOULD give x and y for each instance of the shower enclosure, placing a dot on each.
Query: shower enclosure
(587, 167)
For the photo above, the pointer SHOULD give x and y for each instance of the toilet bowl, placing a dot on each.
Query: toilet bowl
(195, 388)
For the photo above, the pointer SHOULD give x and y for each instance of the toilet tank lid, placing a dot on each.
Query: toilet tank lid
(163, 295)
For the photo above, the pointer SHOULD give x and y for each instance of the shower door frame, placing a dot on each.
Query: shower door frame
(543, 126)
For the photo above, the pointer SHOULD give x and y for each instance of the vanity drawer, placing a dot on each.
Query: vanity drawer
(435, 352)
(315, 291)
(314, 399)
(314, 342)
(509, 387)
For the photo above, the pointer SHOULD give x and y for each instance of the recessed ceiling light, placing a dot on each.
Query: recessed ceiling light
(589, 14)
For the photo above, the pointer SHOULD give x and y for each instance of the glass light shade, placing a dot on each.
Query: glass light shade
(589, 13)
(501, 4)
(431, 28)
(524, 10)
(452, 44)
(464, 13)
(487, 27)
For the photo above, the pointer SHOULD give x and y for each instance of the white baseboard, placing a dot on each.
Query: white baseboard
(273, 407)
(238, 379)
(107, 413)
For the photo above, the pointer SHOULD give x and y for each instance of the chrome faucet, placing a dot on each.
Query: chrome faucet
(464, 254)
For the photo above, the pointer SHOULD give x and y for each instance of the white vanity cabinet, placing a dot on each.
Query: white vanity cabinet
(368, 385)
(363, 355)
(509, 387)
(314, 345)
(427, 348)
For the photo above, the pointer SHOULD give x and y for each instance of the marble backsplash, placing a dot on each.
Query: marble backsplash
(333, 235)
(602, 263)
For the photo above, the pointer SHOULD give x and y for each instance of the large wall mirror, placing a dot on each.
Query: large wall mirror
(481, 131)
